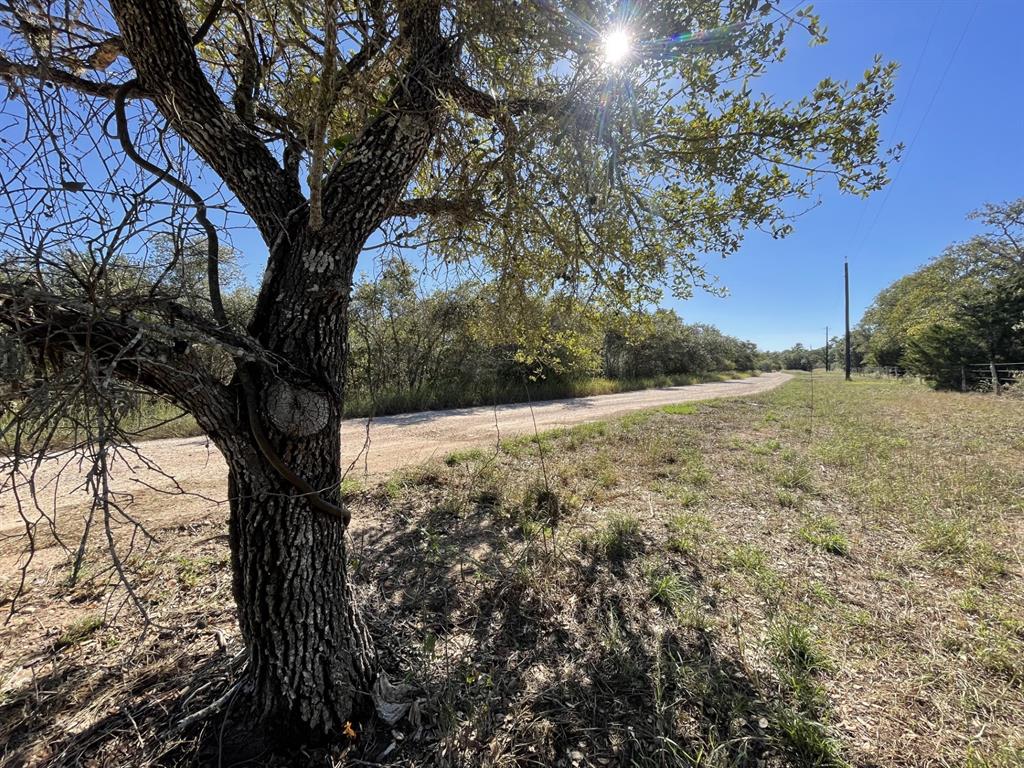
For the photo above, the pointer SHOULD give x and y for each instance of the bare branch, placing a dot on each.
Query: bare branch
(11, 69)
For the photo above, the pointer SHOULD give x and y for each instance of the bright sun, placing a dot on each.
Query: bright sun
(616, 46)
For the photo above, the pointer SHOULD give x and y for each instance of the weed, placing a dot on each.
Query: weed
(659, 449)
(79, 631)
(806, 740)
(747, 558)
(680, 493)
(454, 506)
(636, 419)
(533, 529)
(1004, 756)
(666, 587)
(824, 533)
(190, 571)
(753, 562)
(795, 647)
(698, 476)
(604, 471)
(685, 531)
(949, 538)
(992, 648)
(679, 409)
(578, 436)
(766, 448)
(424, 476)
(796, 476)
(350, 488)
(542, 505)
(390, 489)
(788, 499)
(822, 594)
(617, 540)
(468, 456)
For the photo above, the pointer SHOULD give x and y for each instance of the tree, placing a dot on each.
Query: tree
(492, 136)
(961, 311)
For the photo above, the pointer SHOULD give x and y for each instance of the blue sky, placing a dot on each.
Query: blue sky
(969, 150)
(962, 121)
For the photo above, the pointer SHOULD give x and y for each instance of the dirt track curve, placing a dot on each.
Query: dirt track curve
(394, 442)
(397, 441)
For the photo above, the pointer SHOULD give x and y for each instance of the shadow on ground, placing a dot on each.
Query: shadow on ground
(524, 651)
(535, 652)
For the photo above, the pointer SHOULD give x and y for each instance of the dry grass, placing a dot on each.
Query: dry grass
(773, 582)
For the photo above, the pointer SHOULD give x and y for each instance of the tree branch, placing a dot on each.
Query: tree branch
(160, 47)
(55, 325)
(483, 104)
(11, 69)
(377, 166)
(459, 208)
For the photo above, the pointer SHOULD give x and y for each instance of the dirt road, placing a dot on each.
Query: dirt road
(397, 441)
(394, 441)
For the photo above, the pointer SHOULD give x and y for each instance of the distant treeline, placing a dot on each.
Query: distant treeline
(952, 321)
(801, 358)
(959, 314)
(414, 350)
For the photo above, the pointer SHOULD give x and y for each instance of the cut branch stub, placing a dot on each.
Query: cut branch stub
(295, 411)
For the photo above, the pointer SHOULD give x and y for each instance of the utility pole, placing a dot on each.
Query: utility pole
(827, 369)
(846, 282)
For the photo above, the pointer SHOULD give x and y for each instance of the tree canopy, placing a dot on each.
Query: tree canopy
(964, 309)
(550, 170)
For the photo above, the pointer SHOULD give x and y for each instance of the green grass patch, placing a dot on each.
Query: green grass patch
(666, 587)
(468, 456)
(796, 648)
(79, 631)
(686, 530)
(680, 409)
(824, 533)
(617, 539)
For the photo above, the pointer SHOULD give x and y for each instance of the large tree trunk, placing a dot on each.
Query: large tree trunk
(312, 665)
(311, 662)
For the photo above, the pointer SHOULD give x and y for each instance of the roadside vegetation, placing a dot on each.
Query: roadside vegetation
(411, 350)
(828, 574)
(957, 321)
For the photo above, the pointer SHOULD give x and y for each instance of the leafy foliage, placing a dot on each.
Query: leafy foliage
(412, 348)
(964, 308)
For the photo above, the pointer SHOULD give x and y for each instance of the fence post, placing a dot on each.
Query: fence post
(995, 377)
(963, 379)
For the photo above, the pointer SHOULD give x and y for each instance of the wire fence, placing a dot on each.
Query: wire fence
(972, 376)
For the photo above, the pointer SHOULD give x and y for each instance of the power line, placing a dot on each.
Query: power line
(920, 126)
(903, 107)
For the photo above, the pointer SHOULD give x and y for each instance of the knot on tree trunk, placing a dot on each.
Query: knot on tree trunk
(296, 411)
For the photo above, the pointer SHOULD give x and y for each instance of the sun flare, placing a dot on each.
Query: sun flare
(616, 46)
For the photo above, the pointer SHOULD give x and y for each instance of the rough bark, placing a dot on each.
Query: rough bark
(311, 661)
